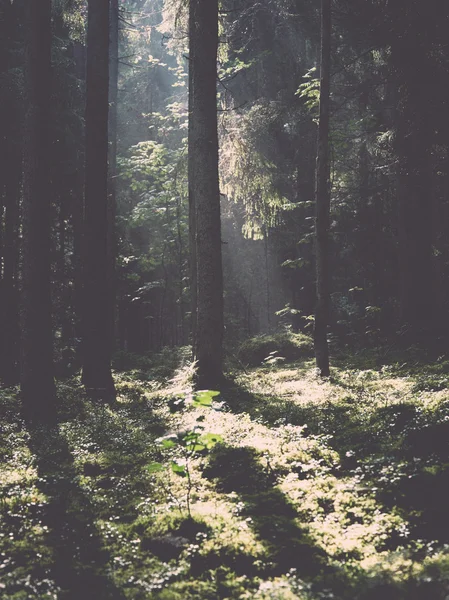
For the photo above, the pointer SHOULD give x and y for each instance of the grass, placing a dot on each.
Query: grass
(319, 489)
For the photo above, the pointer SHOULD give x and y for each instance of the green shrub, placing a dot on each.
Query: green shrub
(158, 366)
(285, 344)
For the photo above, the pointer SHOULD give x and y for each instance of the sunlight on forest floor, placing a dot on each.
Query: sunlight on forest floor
(334, 489)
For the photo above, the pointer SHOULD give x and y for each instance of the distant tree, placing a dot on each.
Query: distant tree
(322, 199)
(37, 383)
(97, 296)
(204, 190)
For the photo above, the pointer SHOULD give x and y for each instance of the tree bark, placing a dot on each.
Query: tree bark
(97, 376)
(191, 170)
(413, 75)
(9, 367)
(10, 186)
(37, 384)
(112, 174)
(322, 198)
(204, 189)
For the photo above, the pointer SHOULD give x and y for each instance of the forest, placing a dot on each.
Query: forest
(224, 299)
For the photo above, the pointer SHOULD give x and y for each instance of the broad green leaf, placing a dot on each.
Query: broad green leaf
(204, 397)
(178, 469)
(210, 439)
(168, 441)
(155, 467)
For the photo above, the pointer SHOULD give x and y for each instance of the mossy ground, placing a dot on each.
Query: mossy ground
(335, 489)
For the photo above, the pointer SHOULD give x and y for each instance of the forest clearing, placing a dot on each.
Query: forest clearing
(224, 299)
(311, 489)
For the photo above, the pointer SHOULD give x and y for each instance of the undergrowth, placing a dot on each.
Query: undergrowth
(310, 490)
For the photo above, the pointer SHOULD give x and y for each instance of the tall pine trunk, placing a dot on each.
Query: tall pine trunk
(413, 75)
(204, 191)
(9, 359)
(191, 168)
(322, 198)
(37, 384)
(10, 188)
(97, 377)
(112, 195)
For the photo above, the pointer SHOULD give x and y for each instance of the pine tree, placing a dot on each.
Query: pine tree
(204, 190)
(97, 377)
(37, 384)
(323, 199)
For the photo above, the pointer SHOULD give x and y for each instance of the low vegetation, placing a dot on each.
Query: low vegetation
(282, 487)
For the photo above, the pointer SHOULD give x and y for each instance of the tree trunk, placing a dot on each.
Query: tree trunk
(323, 200)
(97, 377)
(191, 169)
(204, 187)
(9, 360)
(37, 384)
(10, 186)
(112, 208)
(77, 209)
(412, 72)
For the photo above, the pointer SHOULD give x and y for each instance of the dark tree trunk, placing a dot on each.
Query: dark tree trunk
(112, 175)
(204, 189)
(79, 56)
(323, 200)
(37, 384)
(97, 377)
(10, 335)
(10, 184)
(412, 72)
(191, 170)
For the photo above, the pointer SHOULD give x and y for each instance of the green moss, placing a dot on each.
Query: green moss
(336, 487)
(271, 348)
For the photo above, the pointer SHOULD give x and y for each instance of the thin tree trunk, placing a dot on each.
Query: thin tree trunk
(204, 186)
(37, 384)
(77, 208)
(267, 279)
(323, 200)
(97, 377)
(180, 248)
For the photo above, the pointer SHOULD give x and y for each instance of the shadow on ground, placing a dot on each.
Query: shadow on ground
(401, 451)
(79, 560)
(268, 512)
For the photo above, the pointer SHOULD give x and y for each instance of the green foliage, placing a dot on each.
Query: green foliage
(185, 446)
(309, 91)
(431, 383)
(312, 490)
(249, 177)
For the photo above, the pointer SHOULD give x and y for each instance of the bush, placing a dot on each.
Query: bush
(288, 345)
(158, 366)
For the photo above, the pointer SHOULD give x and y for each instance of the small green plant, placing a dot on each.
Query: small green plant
(273, 359)
(188, 444)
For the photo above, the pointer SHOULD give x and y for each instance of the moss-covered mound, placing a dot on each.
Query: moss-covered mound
(273, 348)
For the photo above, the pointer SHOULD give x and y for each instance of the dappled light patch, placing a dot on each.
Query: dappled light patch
(307, 489)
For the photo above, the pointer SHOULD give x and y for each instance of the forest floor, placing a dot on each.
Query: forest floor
(282, 487)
